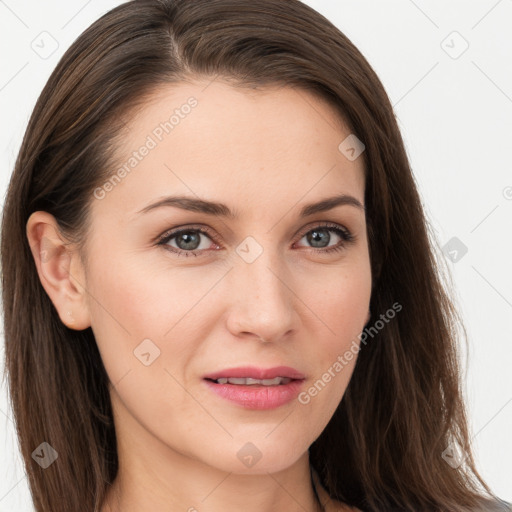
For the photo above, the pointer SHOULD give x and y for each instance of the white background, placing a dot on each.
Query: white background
(456, 119)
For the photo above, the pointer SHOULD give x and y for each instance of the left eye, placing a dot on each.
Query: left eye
(320, 236)
(188, 241)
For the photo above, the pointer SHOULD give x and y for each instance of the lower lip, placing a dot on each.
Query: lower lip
(257, 397)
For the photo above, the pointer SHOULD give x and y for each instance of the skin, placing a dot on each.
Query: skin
(265, 153)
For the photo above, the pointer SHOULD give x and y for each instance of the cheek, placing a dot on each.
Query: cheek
(133, 302)
(341, 309)
(342, 304)
(145, 326)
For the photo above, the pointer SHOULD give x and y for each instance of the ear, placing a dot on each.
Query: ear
(60, 270)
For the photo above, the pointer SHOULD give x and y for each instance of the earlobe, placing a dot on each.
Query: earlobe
(59, 269)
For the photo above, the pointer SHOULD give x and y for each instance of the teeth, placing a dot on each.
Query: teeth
(251, 382)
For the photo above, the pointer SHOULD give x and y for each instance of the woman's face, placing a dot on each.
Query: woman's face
(258, 290)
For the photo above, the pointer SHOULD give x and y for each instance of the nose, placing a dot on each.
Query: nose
(263, 304)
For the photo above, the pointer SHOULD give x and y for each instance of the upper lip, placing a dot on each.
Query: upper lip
(254, 372)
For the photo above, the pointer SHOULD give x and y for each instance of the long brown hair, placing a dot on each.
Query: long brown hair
(382, 450)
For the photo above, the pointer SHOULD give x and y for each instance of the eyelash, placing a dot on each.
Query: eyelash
(346, 236)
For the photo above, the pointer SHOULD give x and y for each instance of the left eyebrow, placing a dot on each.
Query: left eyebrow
(221, 210)
(330, 203)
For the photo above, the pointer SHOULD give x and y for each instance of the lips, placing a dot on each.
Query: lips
(252, 372)
(256, 388)
(277, 381)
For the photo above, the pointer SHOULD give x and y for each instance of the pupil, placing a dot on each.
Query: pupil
(317, 235)
(191, 240)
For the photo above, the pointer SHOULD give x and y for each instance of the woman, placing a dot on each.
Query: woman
(218, 286)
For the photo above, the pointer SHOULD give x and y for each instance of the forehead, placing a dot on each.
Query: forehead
(245, 146)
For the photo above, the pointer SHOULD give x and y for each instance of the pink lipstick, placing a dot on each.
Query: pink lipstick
(256, 388)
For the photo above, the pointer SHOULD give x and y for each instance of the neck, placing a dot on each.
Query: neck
(204, 489)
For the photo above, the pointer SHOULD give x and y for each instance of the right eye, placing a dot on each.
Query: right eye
(188, 241)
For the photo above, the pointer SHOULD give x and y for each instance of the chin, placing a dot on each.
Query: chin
(258, 456)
